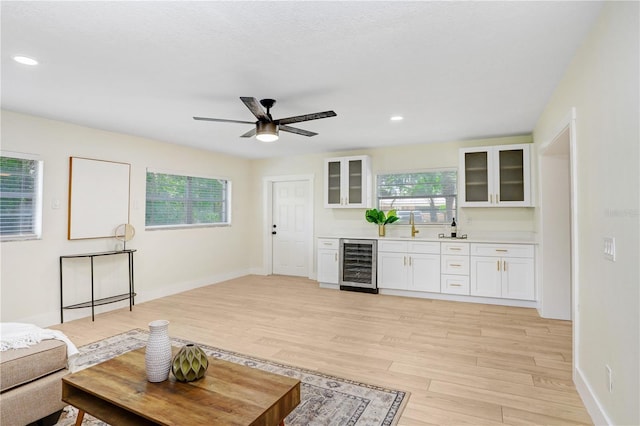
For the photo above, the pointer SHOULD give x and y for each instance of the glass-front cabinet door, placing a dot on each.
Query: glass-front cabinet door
(476, 177)
(333, 179)
(497, 176)
(354, 186)
(348, 182)
(511, 176)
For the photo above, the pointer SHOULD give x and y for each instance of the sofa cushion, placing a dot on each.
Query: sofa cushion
(26, 404)
(20, 366)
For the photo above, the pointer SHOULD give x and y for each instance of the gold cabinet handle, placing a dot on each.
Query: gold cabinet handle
(409, 260)
(455, 265)
(455, 285)
(455, 248)
(502, 250)
(405, 260)
(504, 265)
(491, 198)
(497, 265)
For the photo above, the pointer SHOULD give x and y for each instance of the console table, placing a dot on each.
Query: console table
(103, 301)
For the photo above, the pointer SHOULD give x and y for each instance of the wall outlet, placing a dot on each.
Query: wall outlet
(610, 248)
(609, 378)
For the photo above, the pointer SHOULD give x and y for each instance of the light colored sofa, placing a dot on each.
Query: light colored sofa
(30, 384)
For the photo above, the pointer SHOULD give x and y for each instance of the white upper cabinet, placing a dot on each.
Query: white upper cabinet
(496, 176)
(347, 182)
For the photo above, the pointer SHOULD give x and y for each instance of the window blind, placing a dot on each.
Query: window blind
(20, 197)
(174, 200)
(430, 195)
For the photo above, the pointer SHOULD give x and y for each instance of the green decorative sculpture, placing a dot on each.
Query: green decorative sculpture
(190, 363)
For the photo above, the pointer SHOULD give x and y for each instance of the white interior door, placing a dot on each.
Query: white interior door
(290, 228)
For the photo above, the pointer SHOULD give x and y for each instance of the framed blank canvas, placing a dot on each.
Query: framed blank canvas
(98, 197)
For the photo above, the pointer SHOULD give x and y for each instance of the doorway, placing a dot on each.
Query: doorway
(288, 247)
(558, 222)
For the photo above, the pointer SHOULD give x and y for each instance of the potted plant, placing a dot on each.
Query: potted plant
(379, 218)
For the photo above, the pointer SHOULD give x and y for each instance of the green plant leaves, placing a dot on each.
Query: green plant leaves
(391, 217)
(378, 217)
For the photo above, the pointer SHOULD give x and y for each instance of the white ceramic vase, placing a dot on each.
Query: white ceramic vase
(157, 355)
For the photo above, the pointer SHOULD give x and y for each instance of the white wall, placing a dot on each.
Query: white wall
(602, 83)
(167, 261)
(333, 222)
(170, 261)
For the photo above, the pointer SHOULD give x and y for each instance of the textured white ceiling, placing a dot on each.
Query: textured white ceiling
(454, 70)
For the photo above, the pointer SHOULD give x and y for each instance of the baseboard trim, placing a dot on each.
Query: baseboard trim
(459, 298)
(145, 296)
(258, 271)
(53, 317)
(591, 403)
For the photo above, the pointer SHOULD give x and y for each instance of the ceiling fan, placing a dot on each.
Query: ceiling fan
(266, 128)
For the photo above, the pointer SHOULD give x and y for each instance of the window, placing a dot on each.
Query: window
(20, 197)
(177, 200)
(431, 195)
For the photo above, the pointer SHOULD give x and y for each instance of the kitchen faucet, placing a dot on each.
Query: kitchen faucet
(414, 231)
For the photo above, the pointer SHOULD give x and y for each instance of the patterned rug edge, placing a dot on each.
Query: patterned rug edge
(400, 394)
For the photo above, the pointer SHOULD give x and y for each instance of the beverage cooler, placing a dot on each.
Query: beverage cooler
(358, 265)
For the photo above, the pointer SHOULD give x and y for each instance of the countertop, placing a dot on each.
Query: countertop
(498, 238)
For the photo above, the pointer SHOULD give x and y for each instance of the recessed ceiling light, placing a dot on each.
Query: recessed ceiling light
(397, 118)
(25, 60)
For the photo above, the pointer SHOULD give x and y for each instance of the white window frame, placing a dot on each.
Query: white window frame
(228, 198)
(405, 220)
(36, 233)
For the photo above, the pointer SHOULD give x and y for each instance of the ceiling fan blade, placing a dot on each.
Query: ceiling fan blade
(255, 108)
(296, 130)
(306, 117)
(222, 120)
(249, 134)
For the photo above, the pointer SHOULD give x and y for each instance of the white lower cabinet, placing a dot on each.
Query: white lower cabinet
(492, 270)
(328, 260)
(518, 279)
(411, 265)
(424, 272)
(455, 268)
(455, 284)
(503, 271)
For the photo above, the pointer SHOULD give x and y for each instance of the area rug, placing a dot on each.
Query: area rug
(324, 400)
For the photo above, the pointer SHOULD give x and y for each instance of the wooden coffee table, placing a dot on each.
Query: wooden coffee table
(117, 392)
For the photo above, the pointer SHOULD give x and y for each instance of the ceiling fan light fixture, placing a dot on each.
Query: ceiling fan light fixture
(25, 60)
(266, 131)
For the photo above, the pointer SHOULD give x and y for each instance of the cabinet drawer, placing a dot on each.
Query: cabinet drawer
(454, 284)
(454, 248)
(392, 246)
(502, 250)
(456, 265)
(328, 243)
(424, 247)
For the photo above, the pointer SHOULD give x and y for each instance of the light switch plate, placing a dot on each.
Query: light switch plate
(610, 248)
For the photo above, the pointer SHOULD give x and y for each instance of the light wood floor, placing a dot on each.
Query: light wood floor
(463, 363)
